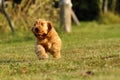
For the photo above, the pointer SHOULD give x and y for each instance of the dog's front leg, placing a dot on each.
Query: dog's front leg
(56, 54)
(40, 52)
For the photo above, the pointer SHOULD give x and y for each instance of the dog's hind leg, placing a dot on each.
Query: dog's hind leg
(56, 53)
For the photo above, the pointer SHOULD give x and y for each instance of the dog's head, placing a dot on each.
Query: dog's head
(41, 28)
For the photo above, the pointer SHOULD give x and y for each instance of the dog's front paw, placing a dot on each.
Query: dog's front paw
(42, 56)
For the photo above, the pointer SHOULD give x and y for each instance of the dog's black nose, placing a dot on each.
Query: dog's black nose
(36, 30)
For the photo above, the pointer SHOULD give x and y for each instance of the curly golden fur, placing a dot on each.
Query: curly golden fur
(47, 39)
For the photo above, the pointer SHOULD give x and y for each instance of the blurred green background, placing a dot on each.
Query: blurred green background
(23, 13)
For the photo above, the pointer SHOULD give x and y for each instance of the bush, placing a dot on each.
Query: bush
(4, 27)
(109, 18)
(24, 20)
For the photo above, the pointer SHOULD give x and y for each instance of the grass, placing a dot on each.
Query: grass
(90, 52)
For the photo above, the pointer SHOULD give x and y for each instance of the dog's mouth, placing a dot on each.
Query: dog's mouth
(41, 35)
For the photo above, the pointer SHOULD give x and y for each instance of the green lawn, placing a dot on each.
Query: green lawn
(90, 52)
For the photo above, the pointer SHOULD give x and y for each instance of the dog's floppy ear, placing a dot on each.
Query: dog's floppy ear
(49, 24)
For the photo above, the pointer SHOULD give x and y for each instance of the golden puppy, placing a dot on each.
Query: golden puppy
(47, 39)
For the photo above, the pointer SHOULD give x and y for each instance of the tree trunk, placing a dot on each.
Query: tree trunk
(113, 5)
(65, 14)
(75, 18)
(105, 6)
(7, 17)
(100, 7)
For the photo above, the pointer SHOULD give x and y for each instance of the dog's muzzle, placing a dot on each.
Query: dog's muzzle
(36, 30)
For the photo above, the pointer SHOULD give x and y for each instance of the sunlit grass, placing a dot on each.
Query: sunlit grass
(90, 52)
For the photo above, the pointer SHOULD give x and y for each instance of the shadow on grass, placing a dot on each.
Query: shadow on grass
(8, 61)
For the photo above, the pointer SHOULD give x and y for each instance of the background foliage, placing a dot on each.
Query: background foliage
(23, 20)
(86, 10)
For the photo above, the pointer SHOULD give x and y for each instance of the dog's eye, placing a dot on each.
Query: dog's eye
(35, 23)
(42, 24)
